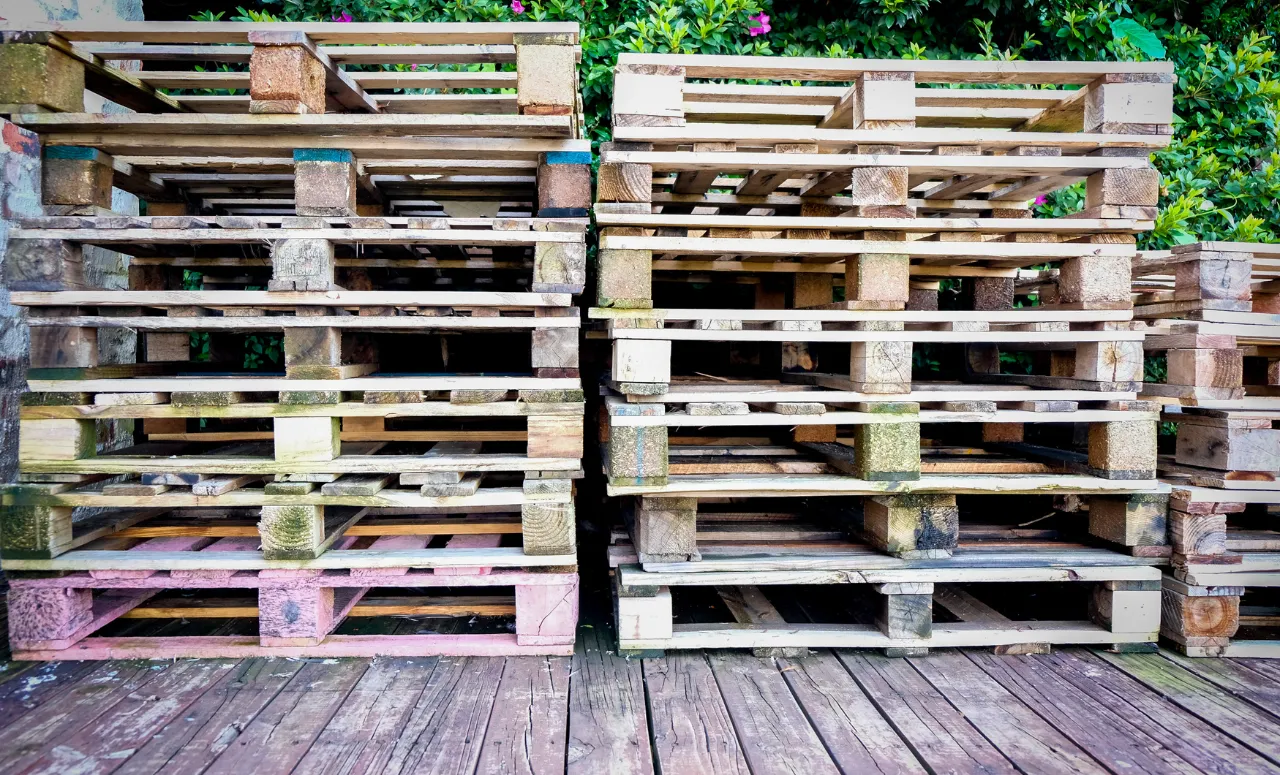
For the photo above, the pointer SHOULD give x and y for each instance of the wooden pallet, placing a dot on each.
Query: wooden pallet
(755, 583)
(290, 115)
(297, 610)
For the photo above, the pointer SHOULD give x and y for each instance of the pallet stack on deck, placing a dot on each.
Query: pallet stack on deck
(1213, 311)
(773, 255)
(407, 232)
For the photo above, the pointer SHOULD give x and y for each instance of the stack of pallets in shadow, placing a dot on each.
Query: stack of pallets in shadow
(1213, 313)
(356, 391)
(844, 352)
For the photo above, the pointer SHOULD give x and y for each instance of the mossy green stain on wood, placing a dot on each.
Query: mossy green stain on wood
(33, 532)
(887, 451)
(291, 532)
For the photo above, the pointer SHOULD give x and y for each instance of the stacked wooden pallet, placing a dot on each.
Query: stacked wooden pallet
(729, 213)
(357, 378)
(1213, 310)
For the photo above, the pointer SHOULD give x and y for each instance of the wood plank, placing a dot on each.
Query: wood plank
(1028, 740)
(234, 560)
(938, 733)
(1255, 728)
(692, 731)
(1102, 720)
(857, 736)
(368, 33)
(445, 730)
(528, 729)
(283, 732)
(1234, 677)
(608, 724)
(772, 728)
(27, 686)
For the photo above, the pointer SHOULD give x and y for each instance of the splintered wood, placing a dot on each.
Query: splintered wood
(770, 265)
(358, 363)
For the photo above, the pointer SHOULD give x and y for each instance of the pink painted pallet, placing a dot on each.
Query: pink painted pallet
(297, 610)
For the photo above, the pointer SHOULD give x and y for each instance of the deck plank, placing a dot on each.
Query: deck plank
(530, 720)
(608, 724)
(772, 729)
(212, 723)
(446, 728)
(281, 734)
(1112, 738)
(857, 736)
(936, 731)
(37, 684)
(371, 718)
(1241, 680)
(692, 731)
(1253, 727)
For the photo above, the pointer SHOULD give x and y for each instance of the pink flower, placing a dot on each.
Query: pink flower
(763, 27)
(1042, 199)
(343, 17)
(517, 6)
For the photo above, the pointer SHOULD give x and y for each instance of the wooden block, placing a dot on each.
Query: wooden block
(285, 79)
(555, 348)
(547, 614)
(1002, 432)
(1228, 448)
(887, 451)
(625, 278)
(301, 265)
(546, 77)
(299, 439)
(76, 176)
(564, 187)
(311, 347)
(815, 434)
(906, 616)
(35, 74)
(559, 267)
(665, 529)
(56, 439)
(643, 617)
(648, 95)
(34, 531)
(47, 617)
(992, 293)
(61, 346)
(641, 360)
(1123, 450)
(555, 436)
(883, 101)
(1130, 520)
(638, 455)
(1129, 186)
(1130, 611)
(1203, 367)
(293, 532)
(880, 367)
(548, 528)
(1198, 616)
(878, 277)
(296, 615)
(1200, 535)
(1213, 276)
(1109, 361)
(1117, 107)
(1095, 282)
(879, 186)
(44, 265)
(167, 348)
(324, 182)
(912, 526)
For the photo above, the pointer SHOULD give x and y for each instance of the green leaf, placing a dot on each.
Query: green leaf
(1140, 37)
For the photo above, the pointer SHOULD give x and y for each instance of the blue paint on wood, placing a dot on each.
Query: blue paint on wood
(567, 157)
(322, 154)
(77, 152)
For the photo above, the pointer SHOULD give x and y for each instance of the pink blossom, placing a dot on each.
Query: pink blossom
(413, 67)
(343, 17)
(1042, 199)
(763, 27)
(517, 6)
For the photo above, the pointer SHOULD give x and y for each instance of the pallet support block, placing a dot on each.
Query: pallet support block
(880, 367)
(301, 265)
(76, 177)
(306, 439)
(1131, 608)
(324, 182)
(559, 267)
(1197, 536)
(916, 526)
(555, 352)
(44, 265)
(285, 79)
(36, 532)
(1125, 103)
(642, 361)
(1221, 279)
(548, 528)
(665, 529)
(1123, 450)
(564, 184)
(1206, 368)
(293, 532)
(547, 614)
(906, 611)
(56, 440)
(643, 614)
(1130, 520)
(888, 451)
(1096, 282)
(47, 618)
(555, 436)
(648, 95)
(1200, 620)
(34, 77)
(546, 75)
(1109, 361)
(1228, 444)
(296, 615)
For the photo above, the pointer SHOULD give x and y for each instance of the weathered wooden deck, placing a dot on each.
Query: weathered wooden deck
(706, 712)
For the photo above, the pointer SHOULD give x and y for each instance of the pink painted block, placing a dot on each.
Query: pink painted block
(547, 615)
(47, 615)
(335, 646)
(221, 545)
(477, 541)
(388, 543)
(294, 616)
(103, 610)
(174, 544)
